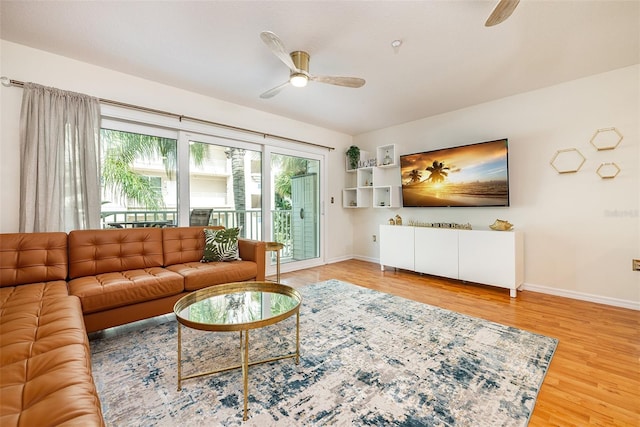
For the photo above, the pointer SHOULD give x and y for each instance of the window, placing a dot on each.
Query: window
(139, 180)
(227, 179)
(181, 167)
(155, 183)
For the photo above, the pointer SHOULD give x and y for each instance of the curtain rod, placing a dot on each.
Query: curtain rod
(10, 82)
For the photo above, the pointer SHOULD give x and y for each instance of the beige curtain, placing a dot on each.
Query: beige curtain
(59, 179)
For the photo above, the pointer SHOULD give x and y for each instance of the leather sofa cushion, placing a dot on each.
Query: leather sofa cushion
(198, 275)
(111, 290)
(12, 297)
(45, 359)
(93, 252)
(183, 244)
(32, 258)
(53, 394)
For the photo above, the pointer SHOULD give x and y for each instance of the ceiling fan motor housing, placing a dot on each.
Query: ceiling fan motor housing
(300, 76)
(300, 60)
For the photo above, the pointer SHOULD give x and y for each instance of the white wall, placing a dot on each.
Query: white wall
(581, 231)
(22, 63)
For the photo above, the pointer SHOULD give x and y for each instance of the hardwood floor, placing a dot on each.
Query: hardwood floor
(594, 377)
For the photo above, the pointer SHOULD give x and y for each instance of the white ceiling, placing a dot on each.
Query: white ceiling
(448, 59)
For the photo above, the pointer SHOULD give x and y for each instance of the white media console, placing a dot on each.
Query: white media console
(481, 256)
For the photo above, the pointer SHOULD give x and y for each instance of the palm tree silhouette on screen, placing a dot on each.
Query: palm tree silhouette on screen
(438, 173)
(414, 176)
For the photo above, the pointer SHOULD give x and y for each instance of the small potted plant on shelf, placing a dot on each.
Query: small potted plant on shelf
(353, 154)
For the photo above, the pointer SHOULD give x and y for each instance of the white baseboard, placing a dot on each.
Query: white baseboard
(616, 302)
(338, 259)
(599, 299)
(367, 259)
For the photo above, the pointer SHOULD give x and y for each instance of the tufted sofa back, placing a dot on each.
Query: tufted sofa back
(183, 244)
(93, 252)
(32, 258)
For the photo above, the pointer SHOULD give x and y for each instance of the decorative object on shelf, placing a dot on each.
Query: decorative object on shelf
(392, 221)
(398, 220)
(386, 155)
(608, 170)
(569, 160)
(353, 154)
(387, 158)
(501, 225)
(606, 139)
(369, 163)
(454, 225)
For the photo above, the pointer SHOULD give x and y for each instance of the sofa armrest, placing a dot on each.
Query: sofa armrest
(253, 250)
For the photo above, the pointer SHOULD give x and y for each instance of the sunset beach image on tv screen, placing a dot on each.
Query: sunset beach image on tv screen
(470, 175)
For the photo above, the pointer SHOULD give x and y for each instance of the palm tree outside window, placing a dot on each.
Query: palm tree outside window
(139, 178)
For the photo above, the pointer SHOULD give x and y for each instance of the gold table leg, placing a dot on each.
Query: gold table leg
(244, 353)
(298, 337)
(179, 357)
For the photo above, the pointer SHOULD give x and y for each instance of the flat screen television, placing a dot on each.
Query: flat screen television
(468, 175)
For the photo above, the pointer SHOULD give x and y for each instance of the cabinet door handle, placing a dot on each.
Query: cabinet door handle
(302, 213)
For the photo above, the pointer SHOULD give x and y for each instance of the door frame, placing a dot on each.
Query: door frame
(313, 154)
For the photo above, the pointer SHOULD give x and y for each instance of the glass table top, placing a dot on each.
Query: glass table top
(237, 306)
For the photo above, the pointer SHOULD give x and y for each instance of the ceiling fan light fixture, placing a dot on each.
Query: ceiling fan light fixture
(298, 63)
(298, 80)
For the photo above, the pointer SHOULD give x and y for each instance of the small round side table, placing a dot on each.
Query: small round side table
(275, 247)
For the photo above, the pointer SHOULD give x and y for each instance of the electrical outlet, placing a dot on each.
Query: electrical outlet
(375, 239)
(635, 264)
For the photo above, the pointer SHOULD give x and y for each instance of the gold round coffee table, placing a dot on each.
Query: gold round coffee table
(239, 307)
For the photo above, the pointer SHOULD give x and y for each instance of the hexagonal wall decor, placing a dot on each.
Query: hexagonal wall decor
(569, 160)
(606, 139)
(608, 170)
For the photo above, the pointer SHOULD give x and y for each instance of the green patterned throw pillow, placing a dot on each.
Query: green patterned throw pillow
(220, 245)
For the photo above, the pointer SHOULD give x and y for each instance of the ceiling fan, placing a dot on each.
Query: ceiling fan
(298, 63)
(503, 10)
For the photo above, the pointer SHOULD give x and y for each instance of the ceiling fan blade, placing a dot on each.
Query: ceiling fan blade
(339, 81)
(273, 92)
(503, 10)
(277, 47)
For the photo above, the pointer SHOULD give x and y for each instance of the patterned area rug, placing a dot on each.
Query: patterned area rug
(367, 358)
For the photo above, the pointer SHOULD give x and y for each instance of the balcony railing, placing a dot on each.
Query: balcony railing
(281, 230)
(111, 219)
(250, 220)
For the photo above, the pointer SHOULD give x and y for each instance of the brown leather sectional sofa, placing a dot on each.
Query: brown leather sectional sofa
(56, 287)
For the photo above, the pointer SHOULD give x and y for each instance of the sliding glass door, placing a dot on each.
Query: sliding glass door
(225, 185)
(295, 209)
(157, 177)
